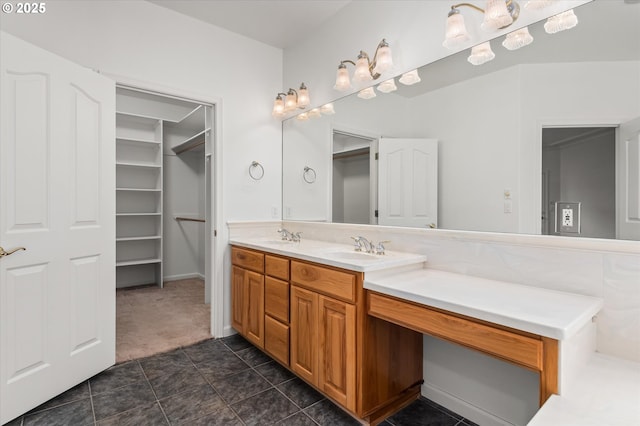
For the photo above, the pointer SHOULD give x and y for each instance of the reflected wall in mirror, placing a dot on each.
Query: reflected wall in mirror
(490, 120)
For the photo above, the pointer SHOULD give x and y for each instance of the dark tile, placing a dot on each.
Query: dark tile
(274, 372)
(146, 415)
(192, 404)
(267, 407)
(163, 364)
(15, 422)
(236, 342)
(298, 419)
(440, 407)
(467, 422)
(240, 386)
(116, 377)
(205, 350)
(422, 413)
(253, 356)
(326, 413)
(385, 423)
(116, 401)
(300, 393)
(225, 416)
(74, 413)
(176, 382)
(76, 393)
(225, 364)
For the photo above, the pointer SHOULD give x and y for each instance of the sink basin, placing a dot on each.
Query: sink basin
(350, 255)
(277, 242)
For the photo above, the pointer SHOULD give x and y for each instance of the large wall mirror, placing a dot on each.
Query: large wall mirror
(530, 142)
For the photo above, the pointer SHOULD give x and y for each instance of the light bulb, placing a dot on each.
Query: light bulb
(367, 93)
(481, 53)
(278, 107)
(290, 101)
(387, 86)
(327, 109)
(342, 79)
(518, 39)
(410, 78)
(496, 15)
(303, 116)
(303, 97)
(456, 32)
(563, 21)
(362, 69)
(384, 61)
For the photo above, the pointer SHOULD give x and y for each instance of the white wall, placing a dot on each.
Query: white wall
(352, 177)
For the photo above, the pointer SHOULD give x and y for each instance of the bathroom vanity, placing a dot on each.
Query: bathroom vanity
(351, 324)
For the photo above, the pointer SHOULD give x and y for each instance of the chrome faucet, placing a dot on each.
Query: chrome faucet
(286, 235)
(295, 237)
(363, 244)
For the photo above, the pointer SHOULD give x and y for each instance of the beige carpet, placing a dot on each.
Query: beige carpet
(151, 320)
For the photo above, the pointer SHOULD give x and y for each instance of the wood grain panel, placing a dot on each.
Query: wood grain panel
(522, 350)
(248, 259)
(330, 282)
(304, 334)
(276, 299)
(277, 267)
(549, 373)
(276, 339)
(337, 351)
(254, 309)
(237, 298)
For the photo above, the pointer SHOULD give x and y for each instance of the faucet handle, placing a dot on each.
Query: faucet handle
(380, 247)
(295, 236)
(358, 243)
(284, 234)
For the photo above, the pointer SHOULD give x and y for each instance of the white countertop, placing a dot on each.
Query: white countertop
(332, 254)
(607, 392)
(549, 313)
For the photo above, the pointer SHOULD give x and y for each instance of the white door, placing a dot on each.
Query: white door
(408, 182)
(628, 181)
(57, 193)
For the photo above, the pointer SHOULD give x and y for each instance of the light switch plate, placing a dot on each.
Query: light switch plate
(567, 217)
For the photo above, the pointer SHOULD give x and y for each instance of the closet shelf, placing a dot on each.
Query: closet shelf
(193, 143)
(138, 262)
(138, 214)
(150, 237)
(134, 141)
(140, 117)
(143, 165)
(139, 189)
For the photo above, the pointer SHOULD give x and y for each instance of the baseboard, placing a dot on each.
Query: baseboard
(228, 331)
(182, 277)
(461, 407)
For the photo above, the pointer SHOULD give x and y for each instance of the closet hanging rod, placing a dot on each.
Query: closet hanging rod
(189, 219)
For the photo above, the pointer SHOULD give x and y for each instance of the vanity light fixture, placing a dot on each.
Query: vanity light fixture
(303, 116)
(287, 102)
(327, 109)
(563, 21)
(537, 4)
(498, 14)
(315, 112)
(366, 69)
(367, 93)
(410, 78)
(481, 54)
(387, 86)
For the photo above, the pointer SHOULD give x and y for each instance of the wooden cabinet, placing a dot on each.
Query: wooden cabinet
(315, 322)
(247, 295)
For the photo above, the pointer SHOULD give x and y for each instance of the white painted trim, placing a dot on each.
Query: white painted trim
(218, 243)
(168, 278)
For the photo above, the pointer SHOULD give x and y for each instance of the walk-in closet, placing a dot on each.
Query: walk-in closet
(163, 234)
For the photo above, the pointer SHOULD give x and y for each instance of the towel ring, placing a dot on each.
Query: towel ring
(257, 176)
(309, 175)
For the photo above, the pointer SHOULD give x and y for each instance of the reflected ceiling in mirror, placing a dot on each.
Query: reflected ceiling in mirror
(489, 123)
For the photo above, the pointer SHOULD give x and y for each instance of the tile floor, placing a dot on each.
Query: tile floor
(216, 382)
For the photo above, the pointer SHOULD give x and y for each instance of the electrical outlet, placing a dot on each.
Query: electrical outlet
(567, 217)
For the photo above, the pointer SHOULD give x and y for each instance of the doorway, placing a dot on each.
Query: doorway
(163, 222)
(579, 178)
(354, 179)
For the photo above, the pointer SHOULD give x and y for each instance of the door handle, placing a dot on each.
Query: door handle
(432, 225)
(4, 253)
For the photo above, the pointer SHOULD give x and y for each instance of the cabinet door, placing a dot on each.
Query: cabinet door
(337, 351)
(304, 334)
(237, 298)
(276, 339)
(254, 310)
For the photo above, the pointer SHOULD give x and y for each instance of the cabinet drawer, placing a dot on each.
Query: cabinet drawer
(248, 259)
(276, 339)
(276, 299)
(277, 267)
(341, 285)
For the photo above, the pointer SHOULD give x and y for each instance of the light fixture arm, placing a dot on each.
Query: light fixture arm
(472, 6)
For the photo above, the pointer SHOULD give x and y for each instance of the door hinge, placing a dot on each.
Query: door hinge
(215, 232)
(376, 155)
(375, 213)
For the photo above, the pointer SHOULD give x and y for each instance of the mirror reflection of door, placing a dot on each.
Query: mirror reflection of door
(579, 166)
(354, 178)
